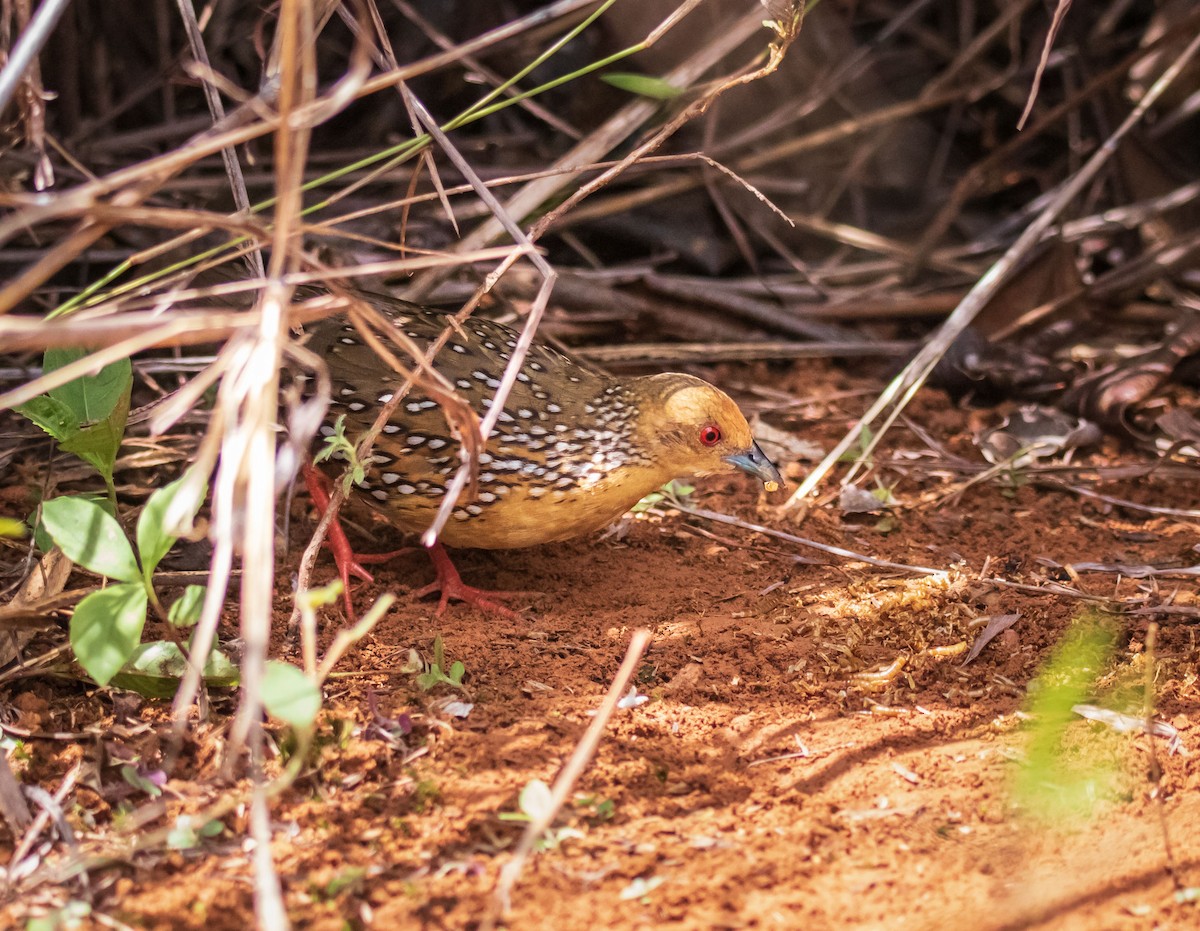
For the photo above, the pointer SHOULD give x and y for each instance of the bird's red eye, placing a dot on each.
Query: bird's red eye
(710, 435)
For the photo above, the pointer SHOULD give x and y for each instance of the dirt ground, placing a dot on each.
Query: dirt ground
(784, 771)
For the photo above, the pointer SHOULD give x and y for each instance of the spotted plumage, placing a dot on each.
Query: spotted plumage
(572, 450)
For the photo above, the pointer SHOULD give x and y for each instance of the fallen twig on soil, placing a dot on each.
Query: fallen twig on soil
(567, 777)
(900, 391)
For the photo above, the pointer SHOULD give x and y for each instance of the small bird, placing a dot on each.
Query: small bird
(573, 449)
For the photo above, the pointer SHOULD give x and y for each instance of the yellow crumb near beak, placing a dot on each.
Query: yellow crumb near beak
(771, 486)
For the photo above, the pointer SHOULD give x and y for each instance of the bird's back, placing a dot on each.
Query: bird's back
(562, 460)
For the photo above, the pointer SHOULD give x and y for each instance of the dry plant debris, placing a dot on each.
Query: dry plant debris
(934, 682)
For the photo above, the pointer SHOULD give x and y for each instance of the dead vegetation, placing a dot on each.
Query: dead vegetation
(834, 210)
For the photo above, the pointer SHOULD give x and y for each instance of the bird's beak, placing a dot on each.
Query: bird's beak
(755, 461)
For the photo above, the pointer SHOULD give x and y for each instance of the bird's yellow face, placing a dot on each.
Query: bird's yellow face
(696, 429)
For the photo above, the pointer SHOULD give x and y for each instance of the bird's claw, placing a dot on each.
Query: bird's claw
(451, 587)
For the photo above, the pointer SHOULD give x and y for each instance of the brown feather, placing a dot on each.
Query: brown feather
(572, 451)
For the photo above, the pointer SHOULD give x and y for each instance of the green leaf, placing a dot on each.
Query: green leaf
(41, 539)
(220, 670)
(91, 397)
(90, 536)
(655, 88)
(183, 834)
(535, 800)
(53, 416)
(155, 668)
(314, 598)
(107, 627)
(855, 453)
(339, 445)
(99, 443)
(1063, 778)
(68, 917)
(347, 879)
(131, 775)
(434, 676)
(12, 528)
(290, 695)
(87, 416)
(185, 612)
(457, 671)
(154, 536)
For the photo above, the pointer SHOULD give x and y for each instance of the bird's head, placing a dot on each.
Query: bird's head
(696, 429)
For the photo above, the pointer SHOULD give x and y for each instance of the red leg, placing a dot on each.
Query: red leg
(448, 581)
(348, 563)
(451, 585)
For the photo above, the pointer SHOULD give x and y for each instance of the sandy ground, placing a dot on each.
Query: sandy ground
(786, 770)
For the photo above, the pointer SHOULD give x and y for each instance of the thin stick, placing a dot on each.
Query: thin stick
(792, 538)
(567, 777)
(229, 158)
(524, 342)
(43, 817)
(1156, 771)
(12, 803)
(25, 51)
(902, 389)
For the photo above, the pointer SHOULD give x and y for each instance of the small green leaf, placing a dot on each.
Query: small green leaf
(68, 917)
(183, 835)
(155, 668)
(12, 528)
(652, 499)
(290, 695)
(883, 495)
(131, 775)
(87, 416)
(673, 488)
(41, 539)
(185, 612)
(535, 800)
(457, 671)
(99, 443)
(347, 879)
(855, 453)
(314, 598)
(433, 676)
(654, 88)
(92, 397)
(219, 671)
(338, 444)
(51, 415)
(154, 536)
(107, 627)
(90, 536)
(159, 658)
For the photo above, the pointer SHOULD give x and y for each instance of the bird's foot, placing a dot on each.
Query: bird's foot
(348, 562)
(451, 586)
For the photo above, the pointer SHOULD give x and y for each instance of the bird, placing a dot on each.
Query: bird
(572, 450)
